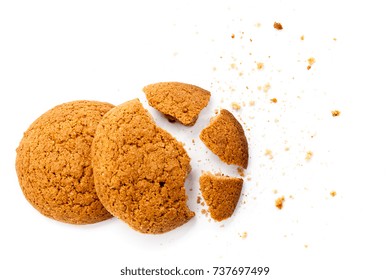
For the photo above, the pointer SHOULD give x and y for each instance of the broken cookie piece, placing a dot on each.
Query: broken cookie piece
(225, 137)
(139, 170)
(221, 194)
(178, 101)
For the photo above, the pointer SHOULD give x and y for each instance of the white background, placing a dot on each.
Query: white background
(58, 51)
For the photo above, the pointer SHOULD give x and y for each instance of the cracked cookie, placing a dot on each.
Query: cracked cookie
(53, 163)
(221, 194)
(178, 101)
(225, 137)
(140, 170)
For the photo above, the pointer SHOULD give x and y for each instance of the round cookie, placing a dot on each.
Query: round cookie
(53, 163)
(140, 170)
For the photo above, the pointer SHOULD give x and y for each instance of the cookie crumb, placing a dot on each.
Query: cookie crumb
(309, 155)
(252, 103)
(274, 100)
(260, 65)
(268, 153)
(306, 246)
(204, 212)
(302, 37)
(278, 25)
(311, 60)
(244, 235)
(266, 87)
(233, 36)
(335, 113)
(333, 193)
(279, 202)
(275, 191)
(240, 171)
(198, 200)
(236, 106)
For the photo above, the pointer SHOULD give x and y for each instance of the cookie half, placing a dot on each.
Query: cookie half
(225, 137)
(53, 163)
(221, 194)
(178, 101)
(140, 170)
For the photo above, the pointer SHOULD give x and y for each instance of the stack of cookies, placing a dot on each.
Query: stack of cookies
(83, 162)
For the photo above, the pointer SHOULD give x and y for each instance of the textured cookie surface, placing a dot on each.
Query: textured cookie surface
(225, 137)
(221, 194)
(140, 170)
(53, 163)
(178, 101)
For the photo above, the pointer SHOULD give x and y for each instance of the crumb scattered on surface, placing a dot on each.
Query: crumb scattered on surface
(244, 235)
(278, 25)
(268, 153)
(275, 191)
(279, 202)
(333, 193)
(260, 65)
(274, 100)
(198, 199)
(204, 212)
(286, 149)
(240, 171)
(252, 103)
(233, 36)
(309, 155)
(311, 60)
(236, 106)
(306, 245)
(335, 113)
(308, 67)
(302, 37)
(266, 87)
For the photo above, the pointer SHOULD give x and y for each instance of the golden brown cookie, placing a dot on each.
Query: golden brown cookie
(140, 170)
(53, 163)
(225, 137)
(178, 101)
(221, 194)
